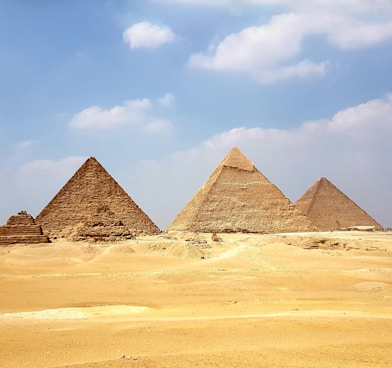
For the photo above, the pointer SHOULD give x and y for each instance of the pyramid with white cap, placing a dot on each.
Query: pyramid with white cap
(237, 197)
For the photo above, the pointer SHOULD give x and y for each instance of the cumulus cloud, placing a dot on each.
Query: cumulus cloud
(275, 51)
(147, 35)
(351, 148)
(137, 113)
(364, 121)
(265, 52)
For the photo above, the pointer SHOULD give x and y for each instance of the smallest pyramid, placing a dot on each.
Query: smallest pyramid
(21, 228)
(330, 209)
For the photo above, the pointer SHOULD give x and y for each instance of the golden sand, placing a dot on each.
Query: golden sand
(182, 300)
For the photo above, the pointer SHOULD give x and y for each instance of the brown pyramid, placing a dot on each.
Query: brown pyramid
(90, 189)
(238, 197)
(330, 209)
(21, 228)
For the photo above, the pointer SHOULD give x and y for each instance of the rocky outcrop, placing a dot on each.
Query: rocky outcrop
(21, 228)
(239, 198)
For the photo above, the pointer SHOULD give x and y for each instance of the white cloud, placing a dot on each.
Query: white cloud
(137, 113)
(274, 51)
(364, 121)
(266, 52)
(132, 112)
(255, 48)
(147, 35)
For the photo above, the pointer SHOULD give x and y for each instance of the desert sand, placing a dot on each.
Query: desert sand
(183, 300)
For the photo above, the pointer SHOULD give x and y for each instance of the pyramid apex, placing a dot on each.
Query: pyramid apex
(91, 159)
(92, 162)
(235, 158)
(324, 182)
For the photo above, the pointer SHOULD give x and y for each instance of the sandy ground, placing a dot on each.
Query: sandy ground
(182, 300)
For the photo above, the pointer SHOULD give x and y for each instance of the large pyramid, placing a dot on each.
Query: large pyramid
(239, 198)
(330, 209)
(82, 198)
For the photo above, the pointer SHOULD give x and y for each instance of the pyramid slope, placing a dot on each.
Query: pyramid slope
(238, 197)
(330, 209)
(89, 189)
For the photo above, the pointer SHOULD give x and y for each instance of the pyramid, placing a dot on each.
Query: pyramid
(21, 228)
(90, 189)
(330, 209)
(239, 198)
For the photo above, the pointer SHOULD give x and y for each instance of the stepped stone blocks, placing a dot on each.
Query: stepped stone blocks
(21, 228)
(330, 209)
(239, 198)
(90, 190)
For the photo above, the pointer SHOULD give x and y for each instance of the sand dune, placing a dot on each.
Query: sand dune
(183, 300)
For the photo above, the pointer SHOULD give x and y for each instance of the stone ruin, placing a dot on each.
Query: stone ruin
(21, 228)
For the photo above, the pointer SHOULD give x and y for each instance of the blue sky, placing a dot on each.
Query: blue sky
(160, 90)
